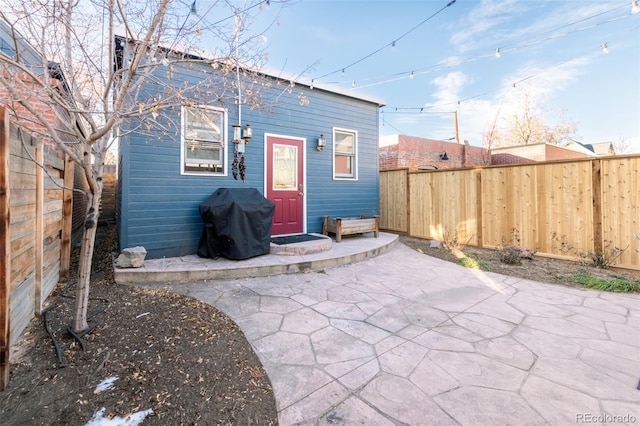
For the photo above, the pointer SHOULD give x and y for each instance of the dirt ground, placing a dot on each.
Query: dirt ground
(180, 358)
(538, 268)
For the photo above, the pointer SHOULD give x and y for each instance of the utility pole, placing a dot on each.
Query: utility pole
(455, 119)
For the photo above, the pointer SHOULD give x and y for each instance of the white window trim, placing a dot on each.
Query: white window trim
(225, 150)
(355, 154)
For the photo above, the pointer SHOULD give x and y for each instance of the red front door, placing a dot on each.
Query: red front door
(285, 184)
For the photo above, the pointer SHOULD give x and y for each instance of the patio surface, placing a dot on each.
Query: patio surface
(394, 337)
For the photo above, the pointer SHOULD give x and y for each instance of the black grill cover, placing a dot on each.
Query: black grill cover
(237, 224)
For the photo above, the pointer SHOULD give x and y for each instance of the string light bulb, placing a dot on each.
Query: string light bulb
(634, 7)
(605, 48)
(393, 46)
(353, 83)
(411, 75)
(498, 52)
(193, 18)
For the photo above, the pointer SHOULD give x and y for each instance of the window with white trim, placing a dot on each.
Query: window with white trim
(345, 154)
(204, 135)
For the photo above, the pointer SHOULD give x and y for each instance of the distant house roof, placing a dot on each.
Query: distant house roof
(601, 148)
(279, 75)
(579, 147)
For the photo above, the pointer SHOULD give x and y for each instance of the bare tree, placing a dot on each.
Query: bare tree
(527, 125)
(79, 83)
(621, 145)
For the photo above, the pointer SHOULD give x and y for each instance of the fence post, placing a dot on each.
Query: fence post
(67, 213)
(5, 250)
(479, 209)
(407, 180)
(596, 193)
(38, 244)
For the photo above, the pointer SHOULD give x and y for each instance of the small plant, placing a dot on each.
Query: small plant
(471, 263)
(610, 253)
(510, 256)
(455, 243)
(616, 283)
(600, 259)
(510, 251)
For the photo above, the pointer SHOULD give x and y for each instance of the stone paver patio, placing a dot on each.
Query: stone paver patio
(403, 338)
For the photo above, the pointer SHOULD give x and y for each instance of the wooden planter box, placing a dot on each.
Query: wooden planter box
(350, 225)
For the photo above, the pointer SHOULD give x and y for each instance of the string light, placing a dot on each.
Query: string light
(411, 75)
(461, 101)
(605, 48)
(516, 47)
(634, 7)
(392, 44)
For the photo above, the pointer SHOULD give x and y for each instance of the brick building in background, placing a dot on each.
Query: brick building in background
(400, 151)
(546, 152)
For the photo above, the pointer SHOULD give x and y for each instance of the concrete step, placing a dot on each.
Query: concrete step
(352, 248)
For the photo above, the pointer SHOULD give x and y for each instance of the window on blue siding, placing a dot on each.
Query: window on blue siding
(204, 132)
(345, 150)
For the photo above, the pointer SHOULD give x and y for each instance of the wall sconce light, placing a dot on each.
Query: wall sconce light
(237, 140)
(247, 133)
(444, 156)
(321, 142)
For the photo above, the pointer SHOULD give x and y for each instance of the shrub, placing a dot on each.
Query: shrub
(600, 259)
(510, 256)
(510, 251)
(455, 243)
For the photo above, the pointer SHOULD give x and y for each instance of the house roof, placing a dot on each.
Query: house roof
(33, 59)
(581, 147)
(603, 148)
(322, 86)
(279, 75)
(28, 55)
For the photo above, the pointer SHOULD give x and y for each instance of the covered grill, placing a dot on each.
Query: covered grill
(237, 224)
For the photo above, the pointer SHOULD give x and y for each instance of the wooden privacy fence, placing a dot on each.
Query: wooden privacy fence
(592, 205)
(35, 226)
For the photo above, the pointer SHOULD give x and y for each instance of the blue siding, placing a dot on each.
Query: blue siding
(159, 207)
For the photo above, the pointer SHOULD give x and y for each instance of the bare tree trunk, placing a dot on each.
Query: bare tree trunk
(80, 322)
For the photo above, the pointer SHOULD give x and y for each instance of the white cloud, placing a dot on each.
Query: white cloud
(449, 86)
(476, 116)
(499, 23)
(485, 22)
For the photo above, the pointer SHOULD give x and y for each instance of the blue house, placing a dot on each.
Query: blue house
(313, 151)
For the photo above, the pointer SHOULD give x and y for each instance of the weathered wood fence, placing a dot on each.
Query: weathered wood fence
(35, 227)
(592, 205)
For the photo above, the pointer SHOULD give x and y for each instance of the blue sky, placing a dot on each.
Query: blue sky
(551, 50)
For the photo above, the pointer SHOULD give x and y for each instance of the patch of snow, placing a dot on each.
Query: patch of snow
(134, 419)
(106, 384)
